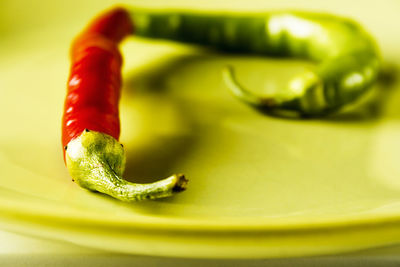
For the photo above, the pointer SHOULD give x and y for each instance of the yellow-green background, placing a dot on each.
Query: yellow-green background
(259, 186)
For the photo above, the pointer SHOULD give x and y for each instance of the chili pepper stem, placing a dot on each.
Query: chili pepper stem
(304, 95)
(96, 162)
(242, 93)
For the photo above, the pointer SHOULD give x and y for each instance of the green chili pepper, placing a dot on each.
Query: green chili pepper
(347, 57)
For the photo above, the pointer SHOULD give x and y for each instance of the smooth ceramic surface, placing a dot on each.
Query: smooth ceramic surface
(259, 186)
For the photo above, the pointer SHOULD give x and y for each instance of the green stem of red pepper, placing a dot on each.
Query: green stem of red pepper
(90, 124)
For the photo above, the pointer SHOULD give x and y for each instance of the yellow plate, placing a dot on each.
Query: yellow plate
(259, 186)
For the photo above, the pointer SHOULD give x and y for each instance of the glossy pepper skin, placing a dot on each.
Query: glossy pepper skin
(95, 77)
(348, 60)
(90, 124)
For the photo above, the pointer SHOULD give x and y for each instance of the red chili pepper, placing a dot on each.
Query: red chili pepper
(90, 124)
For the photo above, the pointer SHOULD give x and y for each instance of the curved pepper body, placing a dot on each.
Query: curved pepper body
(348, 57)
